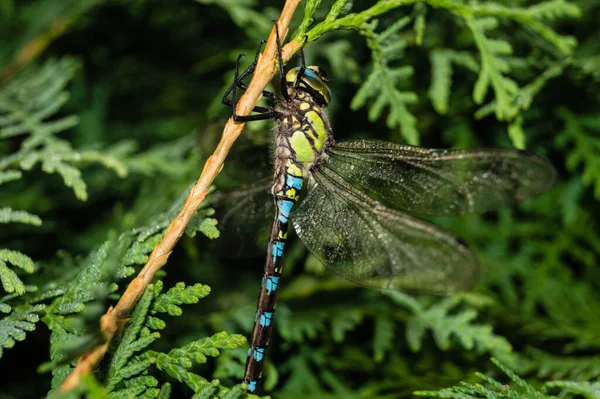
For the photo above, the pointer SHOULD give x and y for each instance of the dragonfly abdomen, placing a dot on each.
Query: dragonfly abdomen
(303, 134)
(289, 183)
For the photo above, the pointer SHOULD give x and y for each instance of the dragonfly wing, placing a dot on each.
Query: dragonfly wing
(247, 216)
(441, 182)
(371, 245)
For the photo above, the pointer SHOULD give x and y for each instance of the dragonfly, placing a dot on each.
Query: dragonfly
(352, 202)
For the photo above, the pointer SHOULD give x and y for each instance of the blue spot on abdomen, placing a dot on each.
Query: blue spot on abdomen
(265, 319)
(285, 207)
(277, 250)
(252, 386)
(258, 354)
(293, 181)
(272, 284)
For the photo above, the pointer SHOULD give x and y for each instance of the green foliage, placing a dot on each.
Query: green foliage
(15, 326)
(207, 226)
(382, 82)
(90, 287)
(19, 116)
(72, 304)
(447, 324)
(441, 75)
(244, 14)
(493, 70)
(583, 146)
(496, 389)
(10, 280)
(519, 388)
(589, 390)
(127, 373)
(118, 108)
(36, 120)
(585, 368)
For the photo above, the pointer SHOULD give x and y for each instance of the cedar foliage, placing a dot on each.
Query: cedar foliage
(102, 134)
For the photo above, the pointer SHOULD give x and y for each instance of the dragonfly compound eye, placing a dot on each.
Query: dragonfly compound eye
(313, 81)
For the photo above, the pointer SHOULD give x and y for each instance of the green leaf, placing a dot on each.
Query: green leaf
(178, 295)
(441, 75)
(204, 224)
(165, 391)
(16, 325)
(580, 136)
(381, 85)
(589, 390)
(19, 116)
(9, 175)
(516, 133)
(10, 281)
(338, 9)
(449, 326)
(344, 321)
(8, 215)
(383, 337)
(493, 390)
(420, 12)
(493, 69)
(130, 343)
(210, 346)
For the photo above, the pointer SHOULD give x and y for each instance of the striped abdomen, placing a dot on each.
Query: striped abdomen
(285, 199)
(303, 134)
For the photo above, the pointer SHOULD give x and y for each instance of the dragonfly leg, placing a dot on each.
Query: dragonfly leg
(303, 66)
(263, 112)
(243, 75)
(283, 82)
(225, 100)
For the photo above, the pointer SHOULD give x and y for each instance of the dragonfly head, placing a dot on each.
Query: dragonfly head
(313, 81)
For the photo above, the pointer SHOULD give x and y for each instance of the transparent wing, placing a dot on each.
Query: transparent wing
(364, 242)
(441, 182)
(247, 216)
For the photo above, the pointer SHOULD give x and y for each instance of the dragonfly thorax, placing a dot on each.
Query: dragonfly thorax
(304, 128)
(303, 135)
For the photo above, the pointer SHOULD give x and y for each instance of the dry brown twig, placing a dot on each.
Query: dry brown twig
(117, 316)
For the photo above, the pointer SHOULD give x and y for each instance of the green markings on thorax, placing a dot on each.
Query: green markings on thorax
(307, 132)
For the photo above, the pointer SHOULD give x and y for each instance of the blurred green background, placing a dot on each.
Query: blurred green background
(109, 109)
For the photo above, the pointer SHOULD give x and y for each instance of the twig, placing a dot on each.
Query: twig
(116, 316)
